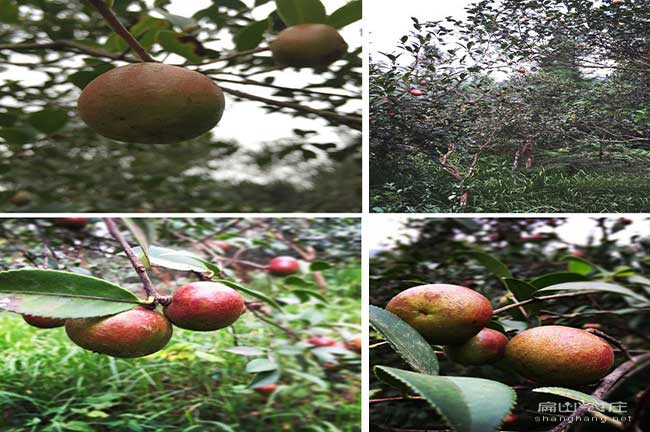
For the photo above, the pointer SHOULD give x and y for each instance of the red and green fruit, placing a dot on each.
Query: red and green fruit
(443, 314)
(559, 355)
(151, 103)
(44, 322)
(204, 306)
(308, 45)
(266, 389)
(283, 266)
(488, 346)
(135, 333)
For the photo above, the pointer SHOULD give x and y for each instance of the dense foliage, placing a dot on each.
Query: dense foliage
(525, 106)
(472, 253)
(199, 381)
(49, 50)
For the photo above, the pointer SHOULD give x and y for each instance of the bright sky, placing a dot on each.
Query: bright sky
(384, 230)
(387, 21)
(238, 118)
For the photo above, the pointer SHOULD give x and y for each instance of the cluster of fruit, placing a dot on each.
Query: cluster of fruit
(198, 306)
(456, 318)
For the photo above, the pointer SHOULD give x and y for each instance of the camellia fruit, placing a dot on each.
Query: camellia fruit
(283, 266)
(135, 333)
(21, 198)
(488, 346)
(322, 341)
(72, 222)
(308, 45)
(559, 355)
(151, 103)
(266, 389)
(204, 306)
(416, 92)
(443, 314)
(355, 344)
(44, 322)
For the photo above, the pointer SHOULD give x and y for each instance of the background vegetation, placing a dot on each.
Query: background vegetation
(525, 106)
(49, 50)
(434, 251)
(199, 382)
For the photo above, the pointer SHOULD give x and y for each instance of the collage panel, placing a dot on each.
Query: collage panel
(224, 324)
(172, 106)
(509, 324)
(508, 106)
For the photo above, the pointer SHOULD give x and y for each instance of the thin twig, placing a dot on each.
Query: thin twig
(137, 265)
(113, 21)
(543, 298)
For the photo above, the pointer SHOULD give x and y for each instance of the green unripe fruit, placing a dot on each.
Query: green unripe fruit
(559, 355)
(151, 103)
(488, 346)
(135, 333)
(308, 45)
(442, 314)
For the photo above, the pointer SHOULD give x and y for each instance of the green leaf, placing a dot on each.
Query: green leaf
(18, 135)
(466, 404)
(251, 293)
(491, 263)
(346, 14)
(306, 293)
(180, 44)
(59, 294)
(598, 286)
(522, 290)
(265, 378)
(297, 281)
(405, 340)
(82, 78)
(171, 259)
(245, 351)
(557, 278)
(48, 120)
(251, 36)
(317, 266)
(295, 12)
(261, 365)
(8, 11)
(580, 265)
(585, 398)
(140, 238)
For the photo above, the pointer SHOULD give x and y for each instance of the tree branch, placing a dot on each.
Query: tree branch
(137, 265)
(542, 298)
(112, 20)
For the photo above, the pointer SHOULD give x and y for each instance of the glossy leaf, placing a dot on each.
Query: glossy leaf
(598, 286)
(250, 36)
(557, 278)
(295, 12)
(466, 404)
(407, 342)
(261, 365)
(48, 120)
(497, 268)
(346, 14)
(60, 294)
(171, 259)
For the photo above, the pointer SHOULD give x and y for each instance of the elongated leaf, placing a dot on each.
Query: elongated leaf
(251, 36)
(346, 14)
(265, 378)
(261, 365)
(598, 404)
(557, 278)
(141, 238)
(581, 265)
(251, 293)
(48, 120)
(498, 268)
(467, 404)
(171, 259)
(598, 286)
(522, 290)
(319, 266)
(295, 12)
(302, 293)
(245, 351)
(59, 294)
(405, 340)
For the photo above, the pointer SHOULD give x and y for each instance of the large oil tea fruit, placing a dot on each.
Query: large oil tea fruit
(43, 322)
(134, 333)
(488, 346)
(308, 45)
(151, 103)
(443, 314)
(204, 306)
(559, 355)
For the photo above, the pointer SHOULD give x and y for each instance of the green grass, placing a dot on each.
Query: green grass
(49, 384)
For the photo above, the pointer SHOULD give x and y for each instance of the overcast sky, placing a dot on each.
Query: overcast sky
(384, 230)
(267, 127)
(387, 21)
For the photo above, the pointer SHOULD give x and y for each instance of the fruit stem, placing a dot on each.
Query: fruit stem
(137, 265)
(113, 21)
